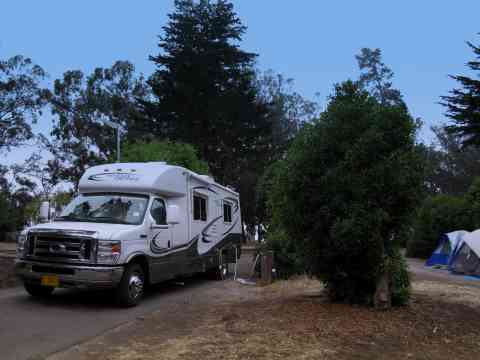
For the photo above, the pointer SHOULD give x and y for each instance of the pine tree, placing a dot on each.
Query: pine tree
(463, 104)
(204, 89)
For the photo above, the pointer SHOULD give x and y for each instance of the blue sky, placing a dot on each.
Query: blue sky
(313, 42)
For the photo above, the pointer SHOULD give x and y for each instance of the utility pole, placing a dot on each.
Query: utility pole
(119, 130)
(118, 145)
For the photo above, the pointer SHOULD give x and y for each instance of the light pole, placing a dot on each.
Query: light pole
(119, 129)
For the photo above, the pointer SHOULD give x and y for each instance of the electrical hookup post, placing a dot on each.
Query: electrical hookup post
(266, 268)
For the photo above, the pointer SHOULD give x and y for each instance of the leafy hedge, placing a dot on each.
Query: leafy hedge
(174, 153)
(287, 260)
(442, 214)
(343, 194)
(438, 215)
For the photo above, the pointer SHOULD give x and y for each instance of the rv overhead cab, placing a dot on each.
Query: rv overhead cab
(131, 225)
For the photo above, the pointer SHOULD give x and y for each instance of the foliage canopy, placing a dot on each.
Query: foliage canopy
(21, 99)
(438, 215)
(172, 153)
(463, 104)
(79, 104)
(346, 190)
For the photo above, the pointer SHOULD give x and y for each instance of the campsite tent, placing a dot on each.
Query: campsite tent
(448, 245)
(467, 259)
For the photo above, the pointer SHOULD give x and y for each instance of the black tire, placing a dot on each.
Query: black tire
(130, 290)
(218, 273)
(38, 290)
(222, 272)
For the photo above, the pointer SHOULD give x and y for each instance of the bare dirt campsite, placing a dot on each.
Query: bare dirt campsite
(7, 257)
(294, 320)
(210, 320)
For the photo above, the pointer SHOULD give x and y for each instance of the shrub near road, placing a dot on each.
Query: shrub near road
(438, 215)
(345, 192)
(442, 214)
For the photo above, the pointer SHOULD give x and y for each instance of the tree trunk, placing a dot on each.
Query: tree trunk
(266, 268)
(382, 299)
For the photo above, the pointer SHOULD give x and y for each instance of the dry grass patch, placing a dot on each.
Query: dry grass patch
(452, 293)
(292, 322)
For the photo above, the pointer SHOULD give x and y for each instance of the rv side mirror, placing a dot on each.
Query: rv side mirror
(173, 214)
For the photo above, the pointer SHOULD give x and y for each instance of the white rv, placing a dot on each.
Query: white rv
(133, 224)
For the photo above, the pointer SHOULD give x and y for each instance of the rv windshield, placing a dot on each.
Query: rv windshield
(106, 208)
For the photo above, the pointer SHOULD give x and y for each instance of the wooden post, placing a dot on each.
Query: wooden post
(267, 266)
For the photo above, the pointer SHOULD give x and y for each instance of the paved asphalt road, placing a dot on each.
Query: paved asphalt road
(34, 328)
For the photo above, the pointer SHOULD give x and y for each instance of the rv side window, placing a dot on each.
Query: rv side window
(159, 212)
(199, 208)
(227, 212)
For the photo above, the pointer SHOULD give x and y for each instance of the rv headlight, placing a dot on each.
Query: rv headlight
(108, 252)
(21, 241)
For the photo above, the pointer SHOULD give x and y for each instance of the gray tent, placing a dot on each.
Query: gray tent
(467, 259)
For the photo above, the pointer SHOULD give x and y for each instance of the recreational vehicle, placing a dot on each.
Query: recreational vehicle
(131, 225)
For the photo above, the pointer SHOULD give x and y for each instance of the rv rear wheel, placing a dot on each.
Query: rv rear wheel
(38, 290)
(130, 290)
(219, 272)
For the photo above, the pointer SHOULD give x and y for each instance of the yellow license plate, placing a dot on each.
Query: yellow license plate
(50, 280)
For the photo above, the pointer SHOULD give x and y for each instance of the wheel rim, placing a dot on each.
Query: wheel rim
(135, 286)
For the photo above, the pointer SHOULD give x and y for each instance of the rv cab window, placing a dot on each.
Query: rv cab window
(199, 208)
(227, 212)
(158, 212)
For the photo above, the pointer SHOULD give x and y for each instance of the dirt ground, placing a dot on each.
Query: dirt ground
(293, 320)
(7, 258)
(7, 276)
(420, 272)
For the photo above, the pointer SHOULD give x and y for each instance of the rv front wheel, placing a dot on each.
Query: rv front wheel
(130, 290)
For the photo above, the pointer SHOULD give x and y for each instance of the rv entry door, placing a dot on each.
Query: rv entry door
(160, 232)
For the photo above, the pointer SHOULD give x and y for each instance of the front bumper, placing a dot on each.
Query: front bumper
(76, 276)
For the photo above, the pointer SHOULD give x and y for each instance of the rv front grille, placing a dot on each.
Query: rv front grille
(60, 247)
(52, 270)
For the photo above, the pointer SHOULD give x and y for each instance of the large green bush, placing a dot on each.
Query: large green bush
(346, 190)
(473, 200)
(438, 215)
(287, 260)
(442, 214)
(174, 153)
